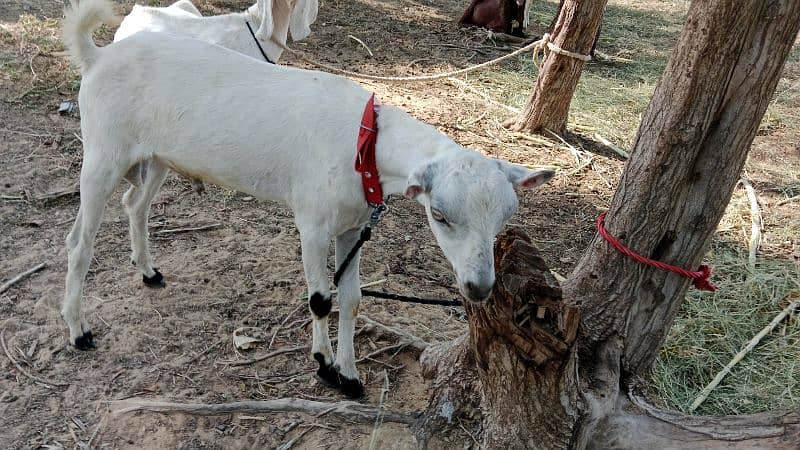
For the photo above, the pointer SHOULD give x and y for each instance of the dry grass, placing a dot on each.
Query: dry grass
(712, 328)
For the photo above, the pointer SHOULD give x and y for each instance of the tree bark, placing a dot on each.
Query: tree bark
(547, 383)
(577, 24)
(691, 146)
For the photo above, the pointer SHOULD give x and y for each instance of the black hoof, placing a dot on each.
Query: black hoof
(326, 372)
(156, 281)
(330, 376)
(351, 388)
(85, 342)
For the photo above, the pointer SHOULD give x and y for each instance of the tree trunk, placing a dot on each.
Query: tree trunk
(544, 384)
(555, 21)
(577, 24)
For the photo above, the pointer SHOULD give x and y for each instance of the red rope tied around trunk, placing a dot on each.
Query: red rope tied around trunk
(700, 278)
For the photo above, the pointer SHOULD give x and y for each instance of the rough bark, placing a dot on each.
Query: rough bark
(522, 340)
(576, 26)
(691, 146)
(519, 347)
(555, 21)
(542, 385)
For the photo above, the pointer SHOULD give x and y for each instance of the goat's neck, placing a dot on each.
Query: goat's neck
(229, 30)
(404, 146)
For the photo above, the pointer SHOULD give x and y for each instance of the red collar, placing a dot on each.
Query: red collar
(366, 161)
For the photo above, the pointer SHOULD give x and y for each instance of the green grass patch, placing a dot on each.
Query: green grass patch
(711, 328)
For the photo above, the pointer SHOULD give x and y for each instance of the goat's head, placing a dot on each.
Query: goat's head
(468, 199)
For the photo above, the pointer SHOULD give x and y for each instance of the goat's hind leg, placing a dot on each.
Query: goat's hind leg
(146, 178)
(99, 176)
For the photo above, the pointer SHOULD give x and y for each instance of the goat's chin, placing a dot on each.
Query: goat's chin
(471, 301)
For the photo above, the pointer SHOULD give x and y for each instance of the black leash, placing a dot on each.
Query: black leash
(258, 43)
(366, 234)
(408, 299)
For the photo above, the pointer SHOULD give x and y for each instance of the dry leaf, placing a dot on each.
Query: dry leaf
(242, 341)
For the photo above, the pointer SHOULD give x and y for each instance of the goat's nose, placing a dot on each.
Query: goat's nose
(478, 292)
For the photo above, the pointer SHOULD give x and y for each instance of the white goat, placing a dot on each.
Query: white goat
(276, 133)
(270, 19)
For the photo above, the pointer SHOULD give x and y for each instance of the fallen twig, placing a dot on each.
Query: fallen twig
(345, 409)
(362, 44)
(612, 146)
(269, 355)
(278, 328)
(51, 196)
(756, 223)
(21, 277)
(187, 229)
(572, 149)
(410, 339)
(96, 431)
(382, 350)
(204, 352)
(739, 356)
(25, 372)
(379, 416)
(787, 200)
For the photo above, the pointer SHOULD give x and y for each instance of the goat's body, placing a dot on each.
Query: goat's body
(153, 102)
(293, 143)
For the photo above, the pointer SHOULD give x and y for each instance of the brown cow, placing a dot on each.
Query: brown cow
(504, 16)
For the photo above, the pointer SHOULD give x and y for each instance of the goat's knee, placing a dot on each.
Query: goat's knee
(320, 306)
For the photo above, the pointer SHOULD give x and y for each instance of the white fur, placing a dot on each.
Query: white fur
(276, 133)
(271, 21)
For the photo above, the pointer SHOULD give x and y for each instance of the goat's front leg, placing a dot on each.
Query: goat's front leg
(314, 242)
(349, 297)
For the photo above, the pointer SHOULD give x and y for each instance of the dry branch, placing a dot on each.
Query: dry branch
(739, 356)
(612, 146)
(25, 372)
(362, 44)
(756, 220)
(269, 355)
(187, 229)
(21, 277)
(345, 409)
(51, 196)
(412, 340)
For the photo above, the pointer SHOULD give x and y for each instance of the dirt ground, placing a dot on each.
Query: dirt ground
(173, 344)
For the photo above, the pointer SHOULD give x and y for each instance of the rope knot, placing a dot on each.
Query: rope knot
(700, 278)
(545, 45)
(703, 282)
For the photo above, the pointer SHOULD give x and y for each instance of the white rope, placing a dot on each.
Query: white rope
(531, 46)
(556, 49)
(547, 45)
(541, 46)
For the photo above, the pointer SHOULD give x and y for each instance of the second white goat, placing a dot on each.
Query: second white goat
(271, 21)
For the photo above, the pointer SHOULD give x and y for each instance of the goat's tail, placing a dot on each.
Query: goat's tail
(80, 20)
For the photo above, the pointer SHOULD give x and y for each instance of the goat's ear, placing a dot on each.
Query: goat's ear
(267, 24)
(524, 177)
(303, 15)
(420, 181)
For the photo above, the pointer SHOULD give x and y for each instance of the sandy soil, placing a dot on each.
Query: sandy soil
(173, 343)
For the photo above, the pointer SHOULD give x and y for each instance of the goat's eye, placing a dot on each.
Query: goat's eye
(438, 216)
